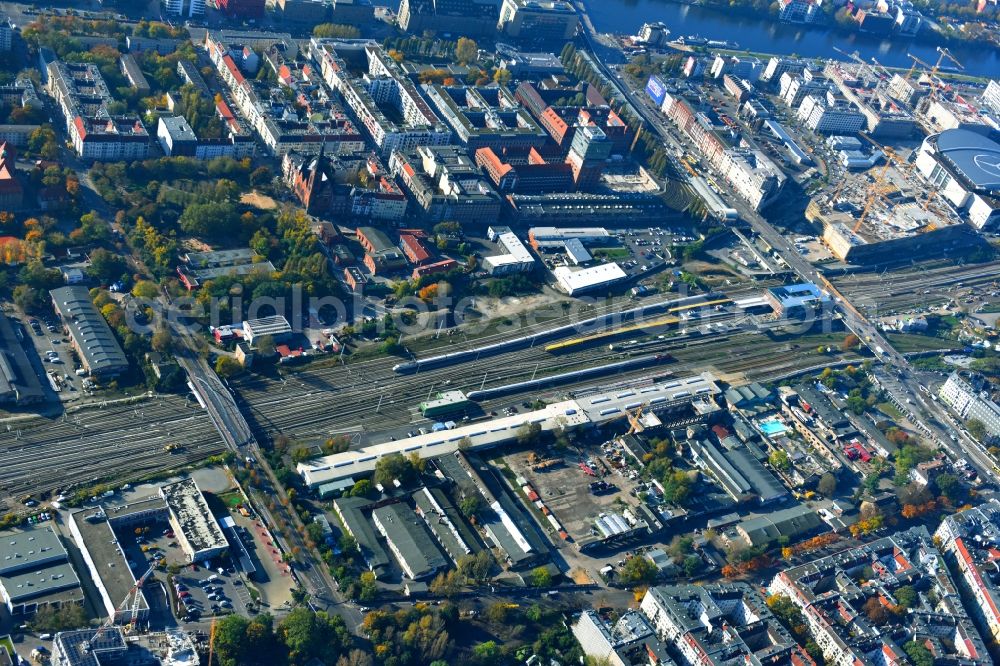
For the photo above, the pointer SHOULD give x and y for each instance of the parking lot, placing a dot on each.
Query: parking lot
(205, 592)
(56, 356)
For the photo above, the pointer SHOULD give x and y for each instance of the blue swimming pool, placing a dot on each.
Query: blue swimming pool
(772, 427)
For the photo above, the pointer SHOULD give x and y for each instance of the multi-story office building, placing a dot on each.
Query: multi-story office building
(746, 67)
(991, 97)
(6, 34)
(793, 87)
(777, 66)
(383, 86)
(476, 17)
(189, 8)
(538, 20)
(830, 115)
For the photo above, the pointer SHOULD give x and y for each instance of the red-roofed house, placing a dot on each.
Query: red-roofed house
(11, 192)
(414, 249)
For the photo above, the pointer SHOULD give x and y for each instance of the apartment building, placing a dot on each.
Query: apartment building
(83, 97)
(446, 185)
(969, 398)
(485, 116)
(382, 86)
(835, 594)
(969, 540)
(724, 623)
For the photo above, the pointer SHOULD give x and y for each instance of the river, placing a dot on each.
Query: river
(765, 36)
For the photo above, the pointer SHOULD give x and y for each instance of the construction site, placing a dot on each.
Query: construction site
(888, 212)
(886, 208)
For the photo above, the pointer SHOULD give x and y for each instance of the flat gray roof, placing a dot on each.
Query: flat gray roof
(189, 508)
(29, 548)
(93, 337)
(106, 557)
(42, 582)
(18, 381)
(350, 511)
(409, 540)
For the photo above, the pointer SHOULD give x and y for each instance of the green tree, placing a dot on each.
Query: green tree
(466, 50)
(227, 366)
(368, 589)
(309, 635)
(145, 289)
(540, 577)
(918, 654)
(638, 570)
(29, 299)
(529, 433)
(230, 640)
(391, 467)
(487, 654)
(949, 486)
(471, 505)
(361, 488)
(977, 429)
(162, 340)
(779, 460)
(692, 565)
(476, 567)
(906, 596)
(827, 485)
(105, 266)
(336, 30)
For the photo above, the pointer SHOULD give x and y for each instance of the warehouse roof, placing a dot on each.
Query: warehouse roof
(409, 540)
(482, 434)
(350, 511)
(30, 584)
(577, 281)
(567, 414)
(188, 505)
(93, 337)
(104, 556)
(445, 522)
(18, 381)
(29, 548)
(790, 522)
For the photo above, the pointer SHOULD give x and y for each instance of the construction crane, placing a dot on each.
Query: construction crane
(131, 601)
(932, 71)
(856, 57)
(633, 419)
(913, 67)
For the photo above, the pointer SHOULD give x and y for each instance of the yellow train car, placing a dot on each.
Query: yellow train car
(601, 336)
(574, 343)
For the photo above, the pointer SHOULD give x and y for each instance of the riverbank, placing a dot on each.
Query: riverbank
(763, 11)
(761, 33)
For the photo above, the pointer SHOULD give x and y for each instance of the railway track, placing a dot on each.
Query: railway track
(122, 441)
(304, 411)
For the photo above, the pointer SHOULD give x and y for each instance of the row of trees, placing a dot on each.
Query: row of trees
(301, 637)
